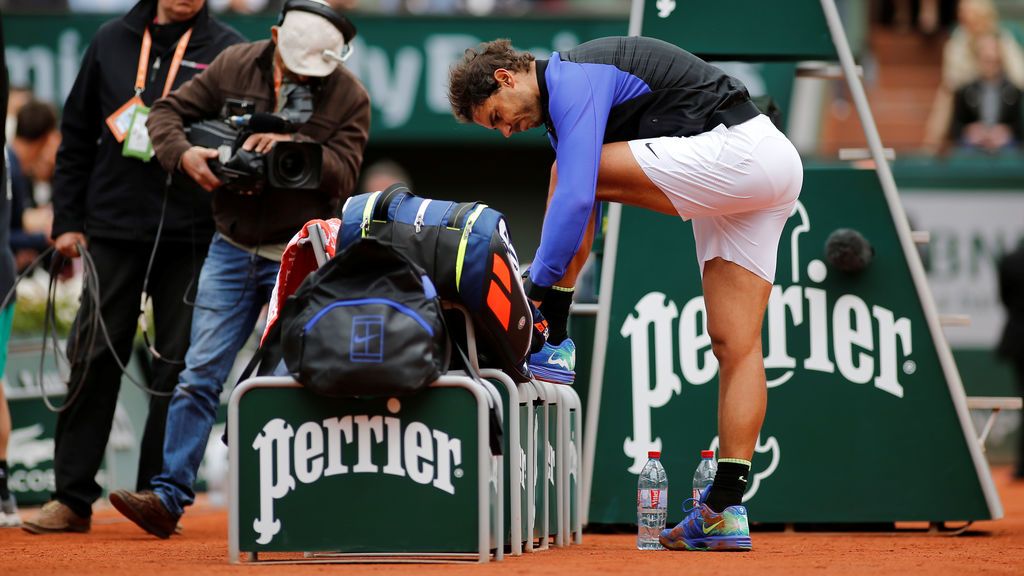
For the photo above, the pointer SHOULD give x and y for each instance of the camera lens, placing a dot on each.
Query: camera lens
(294, 166)
(291, 166)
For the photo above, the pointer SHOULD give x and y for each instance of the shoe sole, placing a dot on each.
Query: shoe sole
(37, 529)
(126, 510)
(553, 376)
(710, 544)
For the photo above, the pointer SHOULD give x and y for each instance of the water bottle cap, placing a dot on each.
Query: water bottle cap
(653, 454)
(706, 454)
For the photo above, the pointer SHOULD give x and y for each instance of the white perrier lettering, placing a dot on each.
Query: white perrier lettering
(344, 445)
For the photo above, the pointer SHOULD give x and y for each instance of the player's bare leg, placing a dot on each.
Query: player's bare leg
(735, 299)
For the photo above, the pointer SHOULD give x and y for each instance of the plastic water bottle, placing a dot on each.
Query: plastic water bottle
(651, 503)
(705, 474)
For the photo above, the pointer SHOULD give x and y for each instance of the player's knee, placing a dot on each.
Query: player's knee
(732, 345)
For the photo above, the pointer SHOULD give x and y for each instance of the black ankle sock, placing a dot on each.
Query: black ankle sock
(555, 309)
(730, 483)
(5, 493)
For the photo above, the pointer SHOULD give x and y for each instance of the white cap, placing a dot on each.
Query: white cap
(309, 44)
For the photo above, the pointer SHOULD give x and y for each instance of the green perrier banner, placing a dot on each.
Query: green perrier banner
(345, 475)
(861, 423)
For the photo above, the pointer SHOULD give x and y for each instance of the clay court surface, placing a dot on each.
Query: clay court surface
(115, 546)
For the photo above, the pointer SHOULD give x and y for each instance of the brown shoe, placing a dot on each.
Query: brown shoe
(146, 510)
(55, 517)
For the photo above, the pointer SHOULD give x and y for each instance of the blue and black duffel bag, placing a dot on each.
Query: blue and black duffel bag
(367, 323)
(465, 249)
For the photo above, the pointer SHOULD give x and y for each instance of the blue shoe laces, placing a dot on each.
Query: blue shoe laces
(696, 505)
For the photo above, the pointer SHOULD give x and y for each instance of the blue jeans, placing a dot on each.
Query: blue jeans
(233, 286)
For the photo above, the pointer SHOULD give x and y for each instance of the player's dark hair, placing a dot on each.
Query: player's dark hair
(471, 81)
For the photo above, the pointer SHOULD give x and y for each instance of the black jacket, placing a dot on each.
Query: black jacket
(967, 108)
(95, 189)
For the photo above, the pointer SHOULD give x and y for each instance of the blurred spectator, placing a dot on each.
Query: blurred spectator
(101, 6)
(415, 7)
(382, 174)
(36, 140)
(271, 6)
(987, 112)
(487, 7)
(959, 64)
(32, 158)
(34, 6)
(926, 16)
(245, 6)
(433, 6)
(26, 245)
(1011, 346)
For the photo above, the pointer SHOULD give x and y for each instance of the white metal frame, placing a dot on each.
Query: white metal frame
(994, 404)
(510, 479)
(542, 512)
(530, 395)
(572, 525)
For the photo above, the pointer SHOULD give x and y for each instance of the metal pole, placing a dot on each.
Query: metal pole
(903, 232)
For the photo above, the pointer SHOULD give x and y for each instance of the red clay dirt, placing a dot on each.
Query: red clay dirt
(115, 546)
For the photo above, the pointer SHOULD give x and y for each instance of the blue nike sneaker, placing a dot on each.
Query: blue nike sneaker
(703, 529)
(555, 364)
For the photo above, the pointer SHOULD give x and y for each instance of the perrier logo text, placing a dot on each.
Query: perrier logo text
(346, 445)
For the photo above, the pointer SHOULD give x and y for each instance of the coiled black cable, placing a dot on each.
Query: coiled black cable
(91, 324)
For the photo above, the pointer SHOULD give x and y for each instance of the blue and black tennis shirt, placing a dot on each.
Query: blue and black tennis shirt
(614, 90)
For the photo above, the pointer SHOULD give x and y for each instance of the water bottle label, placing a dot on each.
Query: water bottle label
(652, 498)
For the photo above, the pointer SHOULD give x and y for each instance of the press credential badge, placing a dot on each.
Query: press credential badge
(137, 143)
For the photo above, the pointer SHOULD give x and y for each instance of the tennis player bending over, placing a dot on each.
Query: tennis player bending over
(642, 122)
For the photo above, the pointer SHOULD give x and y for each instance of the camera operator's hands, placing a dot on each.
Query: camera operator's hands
(194, 162)
(264, 141)
(67, 244)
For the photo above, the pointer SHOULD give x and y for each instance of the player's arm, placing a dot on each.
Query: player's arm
(579, 111)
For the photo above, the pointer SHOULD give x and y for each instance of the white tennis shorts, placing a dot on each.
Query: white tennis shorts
(738, 184)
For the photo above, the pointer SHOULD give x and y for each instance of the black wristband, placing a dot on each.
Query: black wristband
(534, 292)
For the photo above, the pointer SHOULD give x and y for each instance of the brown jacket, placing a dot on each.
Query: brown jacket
(340, 122)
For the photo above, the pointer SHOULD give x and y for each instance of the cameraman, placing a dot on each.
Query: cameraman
(295, 75)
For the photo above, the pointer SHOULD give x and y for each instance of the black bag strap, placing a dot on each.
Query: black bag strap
(496, 431)
(390, 194)
(462, 209)
(262, 352)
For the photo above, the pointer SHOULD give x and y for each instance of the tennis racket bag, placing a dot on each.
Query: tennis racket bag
(465, 249)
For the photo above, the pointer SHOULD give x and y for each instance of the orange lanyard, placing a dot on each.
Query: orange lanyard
(172, 72)
(278, 79)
